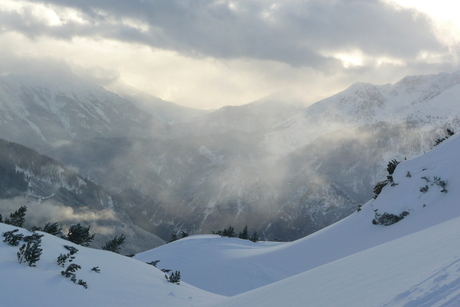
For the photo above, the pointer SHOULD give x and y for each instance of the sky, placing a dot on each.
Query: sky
(211, 53)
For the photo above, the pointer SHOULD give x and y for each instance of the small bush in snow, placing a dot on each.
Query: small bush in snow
(96, 269)
(30, 252)
(154, 262)
(174, 277)
(424, 189)
(440, 183)
(11, 238)
(440, 140)
(388, 219)
(33, 237)
(72, 250)
(378, 187)
(63, 258)
(71, 270)
(83, 283)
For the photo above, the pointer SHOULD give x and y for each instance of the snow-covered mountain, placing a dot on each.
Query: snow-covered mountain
(45, 111)
(424, 101)
(358, 261)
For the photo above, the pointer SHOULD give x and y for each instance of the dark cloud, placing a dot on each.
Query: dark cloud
(293, 32)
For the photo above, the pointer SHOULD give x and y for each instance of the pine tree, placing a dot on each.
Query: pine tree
(174, 237)
(53, 229)
(254, 237)
(114, 244)
(229, 232)
(80, 235)
(17, 218)
(244, 234)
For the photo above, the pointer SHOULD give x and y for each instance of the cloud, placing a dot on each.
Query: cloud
(299, 33)
(211, 53)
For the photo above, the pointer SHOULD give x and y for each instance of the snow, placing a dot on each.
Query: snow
(421, 269)
(122, 281)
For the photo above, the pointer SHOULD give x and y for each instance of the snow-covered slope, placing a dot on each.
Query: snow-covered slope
(351, 260)
(122, 281)
(421, 269)
(431, 100)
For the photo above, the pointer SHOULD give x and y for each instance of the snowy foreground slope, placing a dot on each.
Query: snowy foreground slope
(415, 262)
(122, 281)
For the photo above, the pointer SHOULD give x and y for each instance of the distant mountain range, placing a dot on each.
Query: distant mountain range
(43, 113)
(274, 165)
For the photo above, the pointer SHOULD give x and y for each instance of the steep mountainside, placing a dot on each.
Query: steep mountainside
(53, 193)
(41, 111)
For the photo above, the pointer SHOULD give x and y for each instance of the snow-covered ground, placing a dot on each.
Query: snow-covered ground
(414, 262)
(122, 281)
